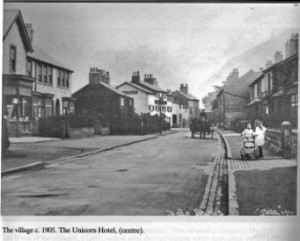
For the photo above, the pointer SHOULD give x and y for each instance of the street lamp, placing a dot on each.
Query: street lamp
(160, 103)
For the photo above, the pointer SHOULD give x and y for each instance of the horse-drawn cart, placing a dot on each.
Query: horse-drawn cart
(202, 127)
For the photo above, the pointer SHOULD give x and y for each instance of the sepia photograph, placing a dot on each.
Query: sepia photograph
(149, 109)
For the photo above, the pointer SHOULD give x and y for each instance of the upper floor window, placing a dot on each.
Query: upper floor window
(164, 96)
(44, 74)
(151, 108)
(29, 68)
(58, 77)
(12, 59)
(49, 75)
(67, 80)
(63, 74)
(39, 70)
(169, 108)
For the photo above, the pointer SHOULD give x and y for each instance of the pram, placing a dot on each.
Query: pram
(249, 149)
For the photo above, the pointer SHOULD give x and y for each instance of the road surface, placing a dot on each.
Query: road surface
(146, 178)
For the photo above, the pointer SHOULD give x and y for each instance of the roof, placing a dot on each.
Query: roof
(281, 62)
(93, 86)
(9, 18)
(136, 86)
(41, 55)
(151, 87)
(239, 87)
(257, 79)
(188, 96)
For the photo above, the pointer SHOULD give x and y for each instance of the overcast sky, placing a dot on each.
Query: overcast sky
(177, 43)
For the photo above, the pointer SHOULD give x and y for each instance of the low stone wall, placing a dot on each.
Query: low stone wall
(17, 129)
(76, 133)
(273, 140)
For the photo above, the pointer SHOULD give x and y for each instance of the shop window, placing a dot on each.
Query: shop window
(12, 59)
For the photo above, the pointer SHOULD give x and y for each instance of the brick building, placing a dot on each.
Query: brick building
(274, 94)
(145, 94)
(233, 97)
(40, 83)
(16, 83)
(98, 98)
(187, 102)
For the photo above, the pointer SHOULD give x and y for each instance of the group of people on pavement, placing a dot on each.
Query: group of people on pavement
(258, 134)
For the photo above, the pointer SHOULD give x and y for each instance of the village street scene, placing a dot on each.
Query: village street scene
(200, 118)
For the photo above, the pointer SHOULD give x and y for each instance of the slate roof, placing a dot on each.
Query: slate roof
(93, 86)
(188, 96)
(137, 87)
(239, 86)
(151, 87)
(11, 16)
(41, 55)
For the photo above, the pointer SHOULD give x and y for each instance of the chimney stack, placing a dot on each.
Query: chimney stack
(29, 31)
(184, 88)
(294, 44)
(96, 76)
(149, 79)
(135, 77)
(278, 57)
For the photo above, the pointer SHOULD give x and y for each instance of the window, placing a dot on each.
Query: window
(169, 98)
(169, 108)
(71, 107)
(58, 77)
(29, 68)
(44, 74)
(49, 74)
(35, 106)
(48, 107)
(156, 108)
(294, 100)
(151, 108)
(39, 71)
(67, 80)
(40, 108)
(191, 110)
(163, 108)
(63, 78)
(12, 59)
(180, 117)
(164, 96)
(122, 101)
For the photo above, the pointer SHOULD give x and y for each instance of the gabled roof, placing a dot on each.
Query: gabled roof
(239, 87)
(187, 95)
(93, 86)
(137, 87)
(281, 62)
(9, 18)
(43, 56)
(257, 79)
(150, 87)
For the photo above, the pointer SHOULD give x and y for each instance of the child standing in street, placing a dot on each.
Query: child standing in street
(260, 136)
(247, 133)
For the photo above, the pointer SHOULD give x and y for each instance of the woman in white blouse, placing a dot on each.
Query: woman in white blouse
(259, 136)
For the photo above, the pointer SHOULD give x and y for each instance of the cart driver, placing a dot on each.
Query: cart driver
(203, 116)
